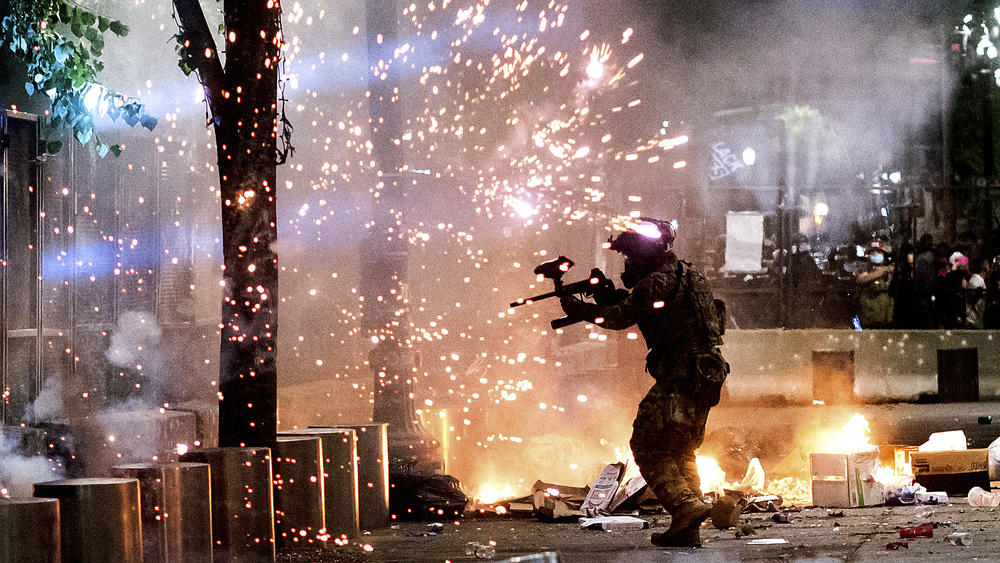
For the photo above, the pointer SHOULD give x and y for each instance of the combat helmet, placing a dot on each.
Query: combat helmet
(647, 237)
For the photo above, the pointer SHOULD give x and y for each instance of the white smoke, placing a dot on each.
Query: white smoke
(18, 472)
(48, 404)
(135, 346)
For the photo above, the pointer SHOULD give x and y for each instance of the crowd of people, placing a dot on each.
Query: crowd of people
(930, 286)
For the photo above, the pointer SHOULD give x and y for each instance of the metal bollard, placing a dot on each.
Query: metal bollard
(99, 518)
(340, 477)
(373, 474)
(176, 510)
(29, 530)
(242, 505)
(298, 491)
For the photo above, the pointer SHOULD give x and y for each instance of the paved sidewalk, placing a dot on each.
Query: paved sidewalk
(812, 535)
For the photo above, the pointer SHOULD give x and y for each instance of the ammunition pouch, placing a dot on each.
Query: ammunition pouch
(707, 374)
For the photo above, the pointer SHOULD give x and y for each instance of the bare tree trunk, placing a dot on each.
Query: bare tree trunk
(243, 102)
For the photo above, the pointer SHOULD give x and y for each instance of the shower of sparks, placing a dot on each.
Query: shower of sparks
(519, 120)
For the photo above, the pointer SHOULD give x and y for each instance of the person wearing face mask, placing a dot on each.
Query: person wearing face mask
(682, 325)
(875, 301)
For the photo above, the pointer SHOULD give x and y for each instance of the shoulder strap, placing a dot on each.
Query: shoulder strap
(702, 318)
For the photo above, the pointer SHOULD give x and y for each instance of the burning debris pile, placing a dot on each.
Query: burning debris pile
(834, 469)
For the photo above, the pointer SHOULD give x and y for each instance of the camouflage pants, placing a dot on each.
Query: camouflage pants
(668, 428)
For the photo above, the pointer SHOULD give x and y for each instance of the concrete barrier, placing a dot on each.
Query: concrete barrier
(176, 510)
(340, 477)
(99, 517)
(890, 365)
(242, 502)
(29, 530)
(298, 491)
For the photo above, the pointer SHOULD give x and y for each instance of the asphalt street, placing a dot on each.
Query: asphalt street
(814, 534)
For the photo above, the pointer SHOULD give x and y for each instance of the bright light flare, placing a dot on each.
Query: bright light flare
(595, 70)
(648, 230)
(522, 208)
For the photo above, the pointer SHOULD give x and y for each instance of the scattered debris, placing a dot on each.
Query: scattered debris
(782, 518)
(603, 491)
(544, 557)
(614, 523)
(767, 541)
(894, 545)
(764, 503)
(416, 497)
(726, 510)
(921, 531)
(481, 550)
(555, 502)
(631, 496)
(959, 538)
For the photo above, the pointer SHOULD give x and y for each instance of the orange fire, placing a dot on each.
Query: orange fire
(852, 438)
(494, 492)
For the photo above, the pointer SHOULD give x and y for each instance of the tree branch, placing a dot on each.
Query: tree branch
(198, 40)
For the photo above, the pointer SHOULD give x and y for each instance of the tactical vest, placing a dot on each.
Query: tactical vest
(689, 322)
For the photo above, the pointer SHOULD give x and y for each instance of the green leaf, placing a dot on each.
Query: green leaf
(83, 134)
(30, 88)
(76, 28)
(130, 117)
(103, 23)
(118, 28)
(116, 150)
(52, 147)
(91, 34)
(87, 18)
(60, 52)
(148, 121)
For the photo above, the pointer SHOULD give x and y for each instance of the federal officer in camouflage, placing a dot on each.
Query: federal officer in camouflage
(682, 325)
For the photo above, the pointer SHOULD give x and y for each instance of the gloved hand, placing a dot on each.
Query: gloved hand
(570, 303)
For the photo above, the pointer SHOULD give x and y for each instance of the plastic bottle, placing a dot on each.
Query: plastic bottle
(959, 538)
(935, 497)
(485, 551)
(480, 550)
(981, 498)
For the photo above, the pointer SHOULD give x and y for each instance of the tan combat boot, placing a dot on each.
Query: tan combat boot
(685, 522)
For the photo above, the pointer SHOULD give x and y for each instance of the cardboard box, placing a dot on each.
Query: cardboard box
(897, 456)
(603, 491)
(953, 472)
(845, 480)
(628, 496)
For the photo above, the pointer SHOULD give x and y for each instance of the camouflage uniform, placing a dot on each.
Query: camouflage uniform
(670, 424)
